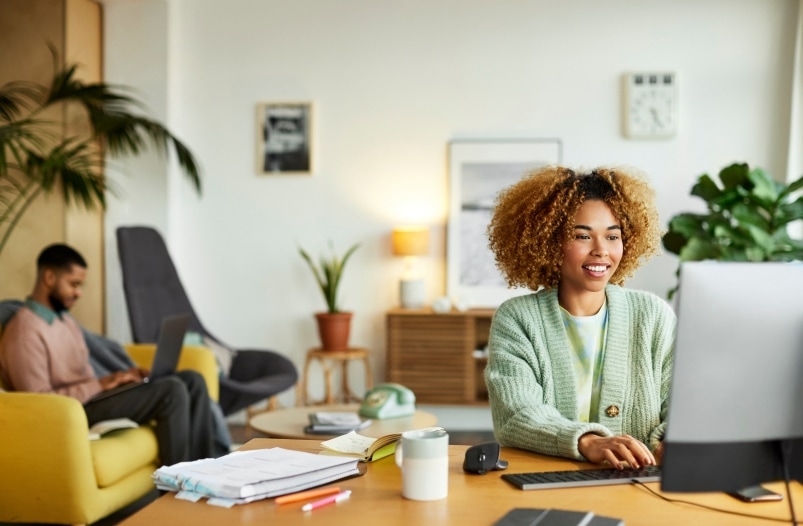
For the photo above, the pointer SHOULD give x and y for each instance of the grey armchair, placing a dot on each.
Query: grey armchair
(153, 290)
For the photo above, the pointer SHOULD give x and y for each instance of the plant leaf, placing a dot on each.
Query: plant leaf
(734, 175)
(789, 212)
(706, 189)
(765, 189)
(328, 273)
(792, 187)
(748, 215)
(687, 224)
(698, 249)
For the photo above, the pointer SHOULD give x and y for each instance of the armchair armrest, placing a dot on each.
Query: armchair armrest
(195, 357)
(46, 457)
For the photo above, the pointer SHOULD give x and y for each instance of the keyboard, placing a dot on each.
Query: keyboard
(582, 477)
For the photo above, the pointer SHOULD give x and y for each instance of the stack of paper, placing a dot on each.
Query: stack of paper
(245, 476)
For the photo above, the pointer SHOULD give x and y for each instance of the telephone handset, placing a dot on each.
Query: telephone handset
(388, 400)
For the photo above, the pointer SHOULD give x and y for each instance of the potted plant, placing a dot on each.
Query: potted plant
(747, 218)
(36, 157)
(334, 324)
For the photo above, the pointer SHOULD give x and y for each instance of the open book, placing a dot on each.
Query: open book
(367, 449)
(99, 429)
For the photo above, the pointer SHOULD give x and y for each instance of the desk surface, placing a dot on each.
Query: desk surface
(473, 499)
(289, 423)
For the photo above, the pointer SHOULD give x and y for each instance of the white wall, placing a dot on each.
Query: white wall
(392, 83)
(131, 59)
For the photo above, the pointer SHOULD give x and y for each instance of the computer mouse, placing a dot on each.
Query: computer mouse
(482, 458)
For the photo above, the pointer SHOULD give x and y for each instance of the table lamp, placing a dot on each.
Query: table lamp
(411, 242)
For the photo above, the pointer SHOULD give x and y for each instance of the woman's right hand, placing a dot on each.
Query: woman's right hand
(615, 450)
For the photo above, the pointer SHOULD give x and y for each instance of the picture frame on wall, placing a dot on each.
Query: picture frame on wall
(478, 171)
(284, 138)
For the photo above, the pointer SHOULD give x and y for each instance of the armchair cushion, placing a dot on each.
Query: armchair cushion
(123, 452)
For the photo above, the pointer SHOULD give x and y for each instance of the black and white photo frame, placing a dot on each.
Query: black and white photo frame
(284, 138)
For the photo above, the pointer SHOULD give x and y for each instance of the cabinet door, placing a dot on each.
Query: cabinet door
(433, 355)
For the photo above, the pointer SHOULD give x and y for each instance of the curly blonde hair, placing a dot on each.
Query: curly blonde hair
(534, 219)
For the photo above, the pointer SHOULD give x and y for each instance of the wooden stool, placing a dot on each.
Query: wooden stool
(329, 361)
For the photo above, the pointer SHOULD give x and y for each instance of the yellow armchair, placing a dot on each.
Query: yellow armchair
(195, 357)
(50, 472)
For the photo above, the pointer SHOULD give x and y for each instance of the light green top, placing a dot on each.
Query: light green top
(530, 374)
(587, 337)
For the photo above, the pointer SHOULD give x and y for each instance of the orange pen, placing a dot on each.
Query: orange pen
(305, 495)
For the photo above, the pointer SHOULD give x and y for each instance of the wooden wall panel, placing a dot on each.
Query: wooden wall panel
(72, 28)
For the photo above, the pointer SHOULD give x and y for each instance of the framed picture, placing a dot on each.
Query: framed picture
(284, 138)
(478, 171)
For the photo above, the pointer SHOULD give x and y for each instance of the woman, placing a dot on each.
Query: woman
(581, 368)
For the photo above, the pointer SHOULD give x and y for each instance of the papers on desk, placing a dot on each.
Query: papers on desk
(246, 476)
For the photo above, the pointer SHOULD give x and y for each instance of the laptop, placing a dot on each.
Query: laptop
(165, 360)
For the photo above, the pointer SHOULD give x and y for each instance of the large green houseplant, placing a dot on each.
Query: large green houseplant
(747, 219)
(36, 157)
(334, 324)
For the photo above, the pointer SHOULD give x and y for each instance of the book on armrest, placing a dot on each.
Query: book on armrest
(366, 449)
(98, 429)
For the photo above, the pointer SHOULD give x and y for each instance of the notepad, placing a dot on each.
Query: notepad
(366, 449)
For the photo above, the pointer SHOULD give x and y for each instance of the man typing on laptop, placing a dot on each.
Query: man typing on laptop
(43, 350)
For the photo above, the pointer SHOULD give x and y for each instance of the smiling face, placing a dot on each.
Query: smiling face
(590, 258)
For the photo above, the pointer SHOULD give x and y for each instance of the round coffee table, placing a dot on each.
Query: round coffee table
(290, 423)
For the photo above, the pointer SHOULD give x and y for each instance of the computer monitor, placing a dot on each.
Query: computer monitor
(737, 386)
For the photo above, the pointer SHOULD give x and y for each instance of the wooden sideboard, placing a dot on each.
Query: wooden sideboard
(434, 354)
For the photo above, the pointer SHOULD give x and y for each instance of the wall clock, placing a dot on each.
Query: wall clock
(650, 105)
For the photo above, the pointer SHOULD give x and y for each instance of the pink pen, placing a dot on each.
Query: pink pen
(325, 501)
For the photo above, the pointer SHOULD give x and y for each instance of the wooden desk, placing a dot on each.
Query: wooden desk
(473, 499)
(289, 423)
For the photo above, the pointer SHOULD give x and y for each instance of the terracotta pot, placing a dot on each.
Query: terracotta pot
(333, 329)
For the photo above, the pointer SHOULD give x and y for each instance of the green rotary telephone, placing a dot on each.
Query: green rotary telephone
(388, 400)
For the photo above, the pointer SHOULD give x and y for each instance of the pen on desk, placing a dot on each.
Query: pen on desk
(326, 501)
(306, 495)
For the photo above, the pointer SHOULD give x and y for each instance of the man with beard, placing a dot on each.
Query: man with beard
(42, 349)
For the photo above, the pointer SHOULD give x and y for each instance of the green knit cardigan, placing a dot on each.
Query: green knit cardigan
(531, 380)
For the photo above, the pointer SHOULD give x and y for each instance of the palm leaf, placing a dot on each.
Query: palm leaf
(35, 157)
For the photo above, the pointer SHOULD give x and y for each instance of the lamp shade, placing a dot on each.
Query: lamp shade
(410, 241)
